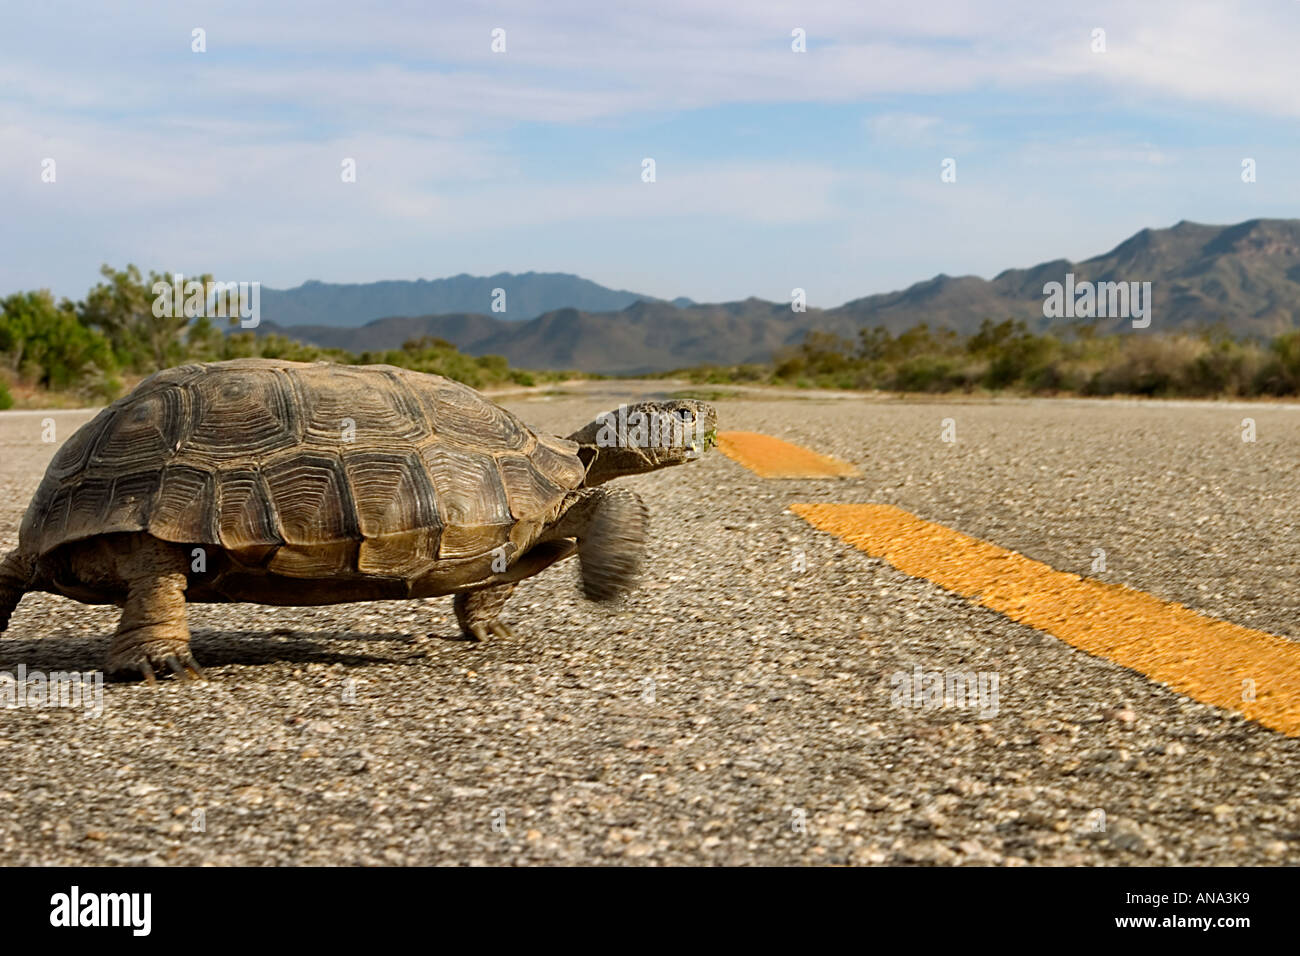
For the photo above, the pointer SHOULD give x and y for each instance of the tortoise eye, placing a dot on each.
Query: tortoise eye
(684, 414)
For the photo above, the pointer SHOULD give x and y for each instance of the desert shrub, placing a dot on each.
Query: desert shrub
(930, 373)
(47, 344)
(1279, 371)
(1150, 365)
(1225, 368)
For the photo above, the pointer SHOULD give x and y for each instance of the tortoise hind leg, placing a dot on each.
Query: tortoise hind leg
(15, 576)
(153, 635)
(478, 611)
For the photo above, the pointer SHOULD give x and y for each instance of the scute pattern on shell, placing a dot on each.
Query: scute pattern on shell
(306, 470)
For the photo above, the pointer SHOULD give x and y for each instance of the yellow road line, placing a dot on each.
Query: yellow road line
(770, 457)
(1214, 661)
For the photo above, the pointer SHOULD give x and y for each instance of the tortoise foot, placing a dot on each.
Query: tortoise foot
(150, 658)
(481, 632)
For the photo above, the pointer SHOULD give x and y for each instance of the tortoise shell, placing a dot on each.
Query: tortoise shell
(307, 470)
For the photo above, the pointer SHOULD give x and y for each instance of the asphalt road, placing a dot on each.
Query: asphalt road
(739, 708)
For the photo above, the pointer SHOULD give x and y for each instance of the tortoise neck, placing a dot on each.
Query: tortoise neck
(606, 463)
(604, 456)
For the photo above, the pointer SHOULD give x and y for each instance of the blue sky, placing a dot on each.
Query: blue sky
(774, 169)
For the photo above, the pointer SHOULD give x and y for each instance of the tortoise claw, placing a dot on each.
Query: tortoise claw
(482, 632)
(182, 672)
(186, 668)
(152, 668)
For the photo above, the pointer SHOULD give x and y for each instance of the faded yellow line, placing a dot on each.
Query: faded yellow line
(1214, 661)
(770, 457)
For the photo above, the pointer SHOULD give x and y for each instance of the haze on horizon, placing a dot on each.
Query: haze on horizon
(774, 169)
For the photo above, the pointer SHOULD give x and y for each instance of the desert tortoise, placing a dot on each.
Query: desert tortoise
(292, 483)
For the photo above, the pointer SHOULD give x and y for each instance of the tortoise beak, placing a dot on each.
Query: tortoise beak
(699, 447)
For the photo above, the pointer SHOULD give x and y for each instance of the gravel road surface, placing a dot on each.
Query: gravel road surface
(738, 708)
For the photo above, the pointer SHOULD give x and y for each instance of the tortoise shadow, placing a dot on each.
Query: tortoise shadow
(213, 649)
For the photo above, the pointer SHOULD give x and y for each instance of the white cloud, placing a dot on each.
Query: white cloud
(193, 160)
(575, 62)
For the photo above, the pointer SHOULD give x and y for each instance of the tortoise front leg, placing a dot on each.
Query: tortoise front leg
(478, 611)
(610, 527)
(153, 635)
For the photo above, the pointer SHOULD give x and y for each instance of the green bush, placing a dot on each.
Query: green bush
(1279, 371)
(930, 373)
(47, 345)
(80, 347)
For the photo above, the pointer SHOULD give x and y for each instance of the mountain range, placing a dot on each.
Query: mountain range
(1244, 276)
(523, 296)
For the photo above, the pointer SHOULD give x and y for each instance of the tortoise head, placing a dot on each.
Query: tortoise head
(633, 439)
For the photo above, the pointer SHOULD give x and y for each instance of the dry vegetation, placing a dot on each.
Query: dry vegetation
(1007, 356)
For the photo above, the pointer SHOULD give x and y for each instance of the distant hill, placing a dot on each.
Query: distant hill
(527, 295)
(644, 337)
(1246, 276)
